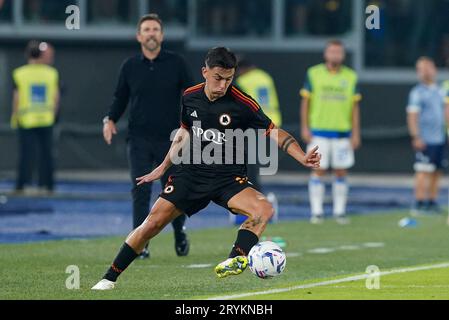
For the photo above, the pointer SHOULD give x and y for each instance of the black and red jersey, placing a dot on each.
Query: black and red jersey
(217, 128)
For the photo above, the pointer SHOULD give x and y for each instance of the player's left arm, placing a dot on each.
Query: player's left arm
(289, 145)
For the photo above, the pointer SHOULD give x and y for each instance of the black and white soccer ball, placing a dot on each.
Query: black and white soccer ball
(266, 260)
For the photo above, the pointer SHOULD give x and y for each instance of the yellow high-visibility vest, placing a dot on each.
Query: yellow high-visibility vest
(37, 87)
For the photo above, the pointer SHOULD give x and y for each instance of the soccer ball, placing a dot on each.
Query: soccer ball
(266, 260)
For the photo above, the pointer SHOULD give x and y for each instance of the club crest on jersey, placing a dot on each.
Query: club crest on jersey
(169, 189)
(225, 119)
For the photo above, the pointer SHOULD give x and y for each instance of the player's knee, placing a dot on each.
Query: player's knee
(340, 173)
(265, 210)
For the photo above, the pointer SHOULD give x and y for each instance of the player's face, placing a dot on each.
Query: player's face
(218, 80)
(334, 54)
(426, 71)
(150, 35)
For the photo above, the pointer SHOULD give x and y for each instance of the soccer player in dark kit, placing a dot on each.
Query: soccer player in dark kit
(209, 111)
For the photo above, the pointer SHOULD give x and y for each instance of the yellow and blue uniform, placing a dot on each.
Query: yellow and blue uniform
(332, 97)
(37, 87)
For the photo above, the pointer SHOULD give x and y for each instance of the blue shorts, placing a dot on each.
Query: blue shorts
(432, 158)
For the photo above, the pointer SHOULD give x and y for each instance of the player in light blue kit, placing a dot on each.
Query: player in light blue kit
(427, 119)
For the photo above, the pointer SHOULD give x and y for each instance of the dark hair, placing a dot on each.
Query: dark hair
(221, 57)
(335, 42)
(149, 17)
(33, 50)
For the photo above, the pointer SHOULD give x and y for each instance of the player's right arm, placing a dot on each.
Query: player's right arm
(118, 107)
(181, 138)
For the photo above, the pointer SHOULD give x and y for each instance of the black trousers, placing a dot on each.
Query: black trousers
(35, 144)
(143, 155)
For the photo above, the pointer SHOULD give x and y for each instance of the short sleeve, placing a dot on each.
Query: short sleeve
(413, 102)
(259, 120)
(306, 90)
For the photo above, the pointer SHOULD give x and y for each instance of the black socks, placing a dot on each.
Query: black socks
(245, 241)
(124, 258)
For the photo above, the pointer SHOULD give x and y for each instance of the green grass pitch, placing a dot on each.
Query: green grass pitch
(315, 253)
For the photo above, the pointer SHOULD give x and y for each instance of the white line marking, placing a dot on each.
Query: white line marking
(374, 244)
(321, 250)
(330, 282)
(348, 247)
(293, 254)
(204, 265)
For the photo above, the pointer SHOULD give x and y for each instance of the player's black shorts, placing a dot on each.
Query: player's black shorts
(191, 192)
(432, 158)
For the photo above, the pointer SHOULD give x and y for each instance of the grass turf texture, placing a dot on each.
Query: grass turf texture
(37, 270)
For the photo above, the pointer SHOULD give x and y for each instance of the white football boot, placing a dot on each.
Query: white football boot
(104, 284)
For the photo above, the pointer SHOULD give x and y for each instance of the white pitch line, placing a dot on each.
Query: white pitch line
(330, 282)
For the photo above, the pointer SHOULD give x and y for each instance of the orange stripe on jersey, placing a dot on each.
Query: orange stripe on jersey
(271, 127)
(249, 102)
(246, 98)
(193, 89)
(184, 126)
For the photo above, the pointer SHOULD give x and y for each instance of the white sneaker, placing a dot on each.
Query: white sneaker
(317, 219)
(104, 284)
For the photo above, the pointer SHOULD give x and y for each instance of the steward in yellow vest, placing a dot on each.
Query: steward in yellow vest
(35, 103)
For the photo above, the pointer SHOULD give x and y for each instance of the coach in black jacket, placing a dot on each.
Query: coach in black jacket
(152, 83)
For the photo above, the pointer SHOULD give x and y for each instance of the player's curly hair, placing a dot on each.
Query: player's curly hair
(221, 57)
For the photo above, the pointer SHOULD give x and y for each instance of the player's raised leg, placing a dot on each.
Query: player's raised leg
(259, 210)
(162, 213)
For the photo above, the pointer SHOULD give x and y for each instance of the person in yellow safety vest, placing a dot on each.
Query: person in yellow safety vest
(35, 103)
(261, 87)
